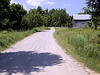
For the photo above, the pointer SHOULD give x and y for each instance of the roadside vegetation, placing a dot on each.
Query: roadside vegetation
(83, 44)
(9, 38)
(16, 23)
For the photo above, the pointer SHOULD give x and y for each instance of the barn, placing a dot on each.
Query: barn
(81, 20)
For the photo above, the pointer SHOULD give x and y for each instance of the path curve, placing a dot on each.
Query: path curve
(39, 54)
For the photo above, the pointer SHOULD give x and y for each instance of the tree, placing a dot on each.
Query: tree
(39, 10)
(50, 14)
(60, 18)
(89, 23)
(86, 11)
(11, 15)
(32, 19)
(52, 11)
(94, 7)
(46, 12)
(94, 4)
(4, 6)
(16, 13)
(46, 20)
(4, 12)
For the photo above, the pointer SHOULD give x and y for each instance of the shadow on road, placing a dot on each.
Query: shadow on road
(26, 62)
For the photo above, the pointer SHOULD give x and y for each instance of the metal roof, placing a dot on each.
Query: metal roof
(82, 17)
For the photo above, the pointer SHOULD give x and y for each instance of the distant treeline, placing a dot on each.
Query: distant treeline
(15, 17)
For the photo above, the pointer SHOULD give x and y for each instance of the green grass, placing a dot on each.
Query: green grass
(82, 44)
(9, 38)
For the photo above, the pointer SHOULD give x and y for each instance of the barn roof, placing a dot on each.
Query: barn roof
(82, 17)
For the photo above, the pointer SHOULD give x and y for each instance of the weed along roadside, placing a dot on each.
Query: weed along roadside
(83, 44)
(9, 38)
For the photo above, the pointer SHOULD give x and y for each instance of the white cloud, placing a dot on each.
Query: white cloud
(24, 6)
(12, 1)
(39, 2)
(50, 3)
(35, 2)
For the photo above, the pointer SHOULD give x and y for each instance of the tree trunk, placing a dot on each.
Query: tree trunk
(95, 26)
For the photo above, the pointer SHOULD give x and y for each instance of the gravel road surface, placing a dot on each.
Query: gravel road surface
(39, 54)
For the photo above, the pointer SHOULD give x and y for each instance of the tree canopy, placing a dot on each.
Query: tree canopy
(15, 17)
(11, 15)
(38, 17)
(60, 18)
(16, 13)
(4, 12)
(94, 8)
(32, 19)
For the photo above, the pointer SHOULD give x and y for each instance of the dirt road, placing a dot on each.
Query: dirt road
(39, 54)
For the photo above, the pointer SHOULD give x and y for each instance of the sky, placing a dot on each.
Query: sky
(71, 6)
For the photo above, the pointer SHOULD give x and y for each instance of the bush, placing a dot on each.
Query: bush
(10, 30)
(89, 23)
(37, 29)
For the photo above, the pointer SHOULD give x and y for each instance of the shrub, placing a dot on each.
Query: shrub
(89, 23)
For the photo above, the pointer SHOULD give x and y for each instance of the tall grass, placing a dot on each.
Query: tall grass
(82, 43)
(9, 38)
